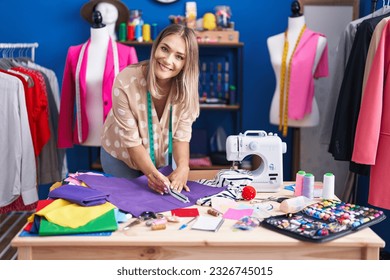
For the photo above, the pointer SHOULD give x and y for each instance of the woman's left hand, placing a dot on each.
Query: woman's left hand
(179, 178)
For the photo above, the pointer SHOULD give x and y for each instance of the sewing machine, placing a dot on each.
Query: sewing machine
(268, 177)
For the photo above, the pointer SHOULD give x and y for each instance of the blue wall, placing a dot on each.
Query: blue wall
(57, 25)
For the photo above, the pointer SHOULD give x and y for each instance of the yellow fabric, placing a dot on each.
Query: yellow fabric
(52, 206)
(55, 185)
(67, 214)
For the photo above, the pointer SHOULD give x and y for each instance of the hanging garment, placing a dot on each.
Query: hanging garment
(53, 92)
(372, 139)
(49, 161)
(72, 131)
(37, 109)
(376, 36)
(348, 104)
(343, 51)
(17, 161)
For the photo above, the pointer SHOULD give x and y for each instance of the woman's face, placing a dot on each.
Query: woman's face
(170, 57)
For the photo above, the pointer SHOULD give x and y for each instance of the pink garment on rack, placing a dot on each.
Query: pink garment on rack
(372, 136)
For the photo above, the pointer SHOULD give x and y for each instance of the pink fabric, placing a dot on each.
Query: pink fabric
(67, 126)
(372, 136)
(301, 91)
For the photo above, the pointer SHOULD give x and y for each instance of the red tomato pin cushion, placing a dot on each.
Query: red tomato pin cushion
(248, 193)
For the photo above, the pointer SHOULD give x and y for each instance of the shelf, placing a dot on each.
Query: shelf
(219, 107)
(211, 167)
(218, 45)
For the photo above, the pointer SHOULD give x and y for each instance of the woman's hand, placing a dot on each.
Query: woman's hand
(179, 178)
(158, 182)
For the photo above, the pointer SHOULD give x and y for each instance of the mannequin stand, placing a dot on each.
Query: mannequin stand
(296, 151)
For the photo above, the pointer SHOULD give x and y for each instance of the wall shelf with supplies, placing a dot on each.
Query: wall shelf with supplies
(220, 94)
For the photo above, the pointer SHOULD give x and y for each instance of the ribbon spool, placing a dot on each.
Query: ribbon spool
(146, 32)
(154, 32)
(122, 32)
(130, 32)
(138, 33)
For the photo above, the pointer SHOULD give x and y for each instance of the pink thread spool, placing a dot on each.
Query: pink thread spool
(299, 182)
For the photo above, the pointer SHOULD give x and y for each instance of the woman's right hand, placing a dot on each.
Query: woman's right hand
(158, 182)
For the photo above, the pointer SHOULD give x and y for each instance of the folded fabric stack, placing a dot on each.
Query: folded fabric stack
(73, 209)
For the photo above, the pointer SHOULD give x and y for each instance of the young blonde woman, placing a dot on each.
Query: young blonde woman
(154, 105)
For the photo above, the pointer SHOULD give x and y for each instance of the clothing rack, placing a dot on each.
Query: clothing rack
(31, 46)
(373, 5)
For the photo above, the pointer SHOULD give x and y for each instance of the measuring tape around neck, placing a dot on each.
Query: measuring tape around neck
(151, 134)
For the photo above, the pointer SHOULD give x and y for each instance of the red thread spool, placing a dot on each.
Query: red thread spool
(248, 193)
(130, 32)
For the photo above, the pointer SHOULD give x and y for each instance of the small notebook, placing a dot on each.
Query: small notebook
(208, 223)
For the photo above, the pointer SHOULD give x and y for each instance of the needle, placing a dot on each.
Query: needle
(183, 226)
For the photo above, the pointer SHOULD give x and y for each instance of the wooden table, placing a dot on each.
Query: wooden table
(141, 243)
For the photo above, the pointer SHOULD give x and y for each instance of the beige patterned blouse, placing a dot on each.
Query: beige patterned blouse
(126, 125)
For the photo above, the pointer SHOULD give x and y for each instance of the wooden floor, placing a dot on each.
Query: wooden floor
(10, 224)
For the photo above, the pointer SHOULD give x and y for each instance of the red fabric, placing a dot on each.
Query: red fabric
(185, 212)
(37, 109)
(40, 205)
(204, 161)
(17, 205)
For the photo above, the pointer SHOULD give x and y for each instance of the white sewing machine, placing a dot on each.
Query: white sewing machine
(268, 177)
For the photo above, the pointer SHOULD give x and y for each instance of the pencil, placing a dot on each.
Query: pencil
(183, 226)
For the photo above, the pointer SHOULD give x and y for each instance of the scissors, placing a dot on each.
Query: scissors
(146, 215)
(271, 198)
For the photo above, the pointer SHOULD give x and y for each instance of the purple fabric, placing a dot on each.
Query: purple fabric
(134, 196)
(80, 195)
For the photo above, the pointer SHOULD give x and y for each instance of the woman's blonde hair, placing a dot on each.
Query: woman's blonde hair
(188, 78)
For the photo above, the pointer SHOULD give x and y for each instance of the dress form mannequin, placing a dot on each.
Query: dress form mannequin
(110, 16)
(275, 46)
(97, 53)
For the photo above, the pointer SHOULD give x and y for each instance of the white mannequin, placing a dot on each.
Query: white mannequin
(275, 46)
(97, 53)
(110, 16)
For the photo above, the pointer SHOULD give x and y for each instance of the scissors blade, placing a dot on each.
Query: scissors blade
(133, 223)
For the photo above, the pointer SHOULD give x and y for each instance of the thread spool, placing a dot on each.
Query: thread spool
(298, 182)
(122, 32)
(154, 32)
(213, 212)
(130, 32)
(146, 32)
(328, 186)
(138, 33)
(308, 185)
(159, 227)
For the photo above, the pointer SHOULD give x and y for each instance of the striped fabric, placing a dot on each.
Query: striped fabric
(235, 179)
